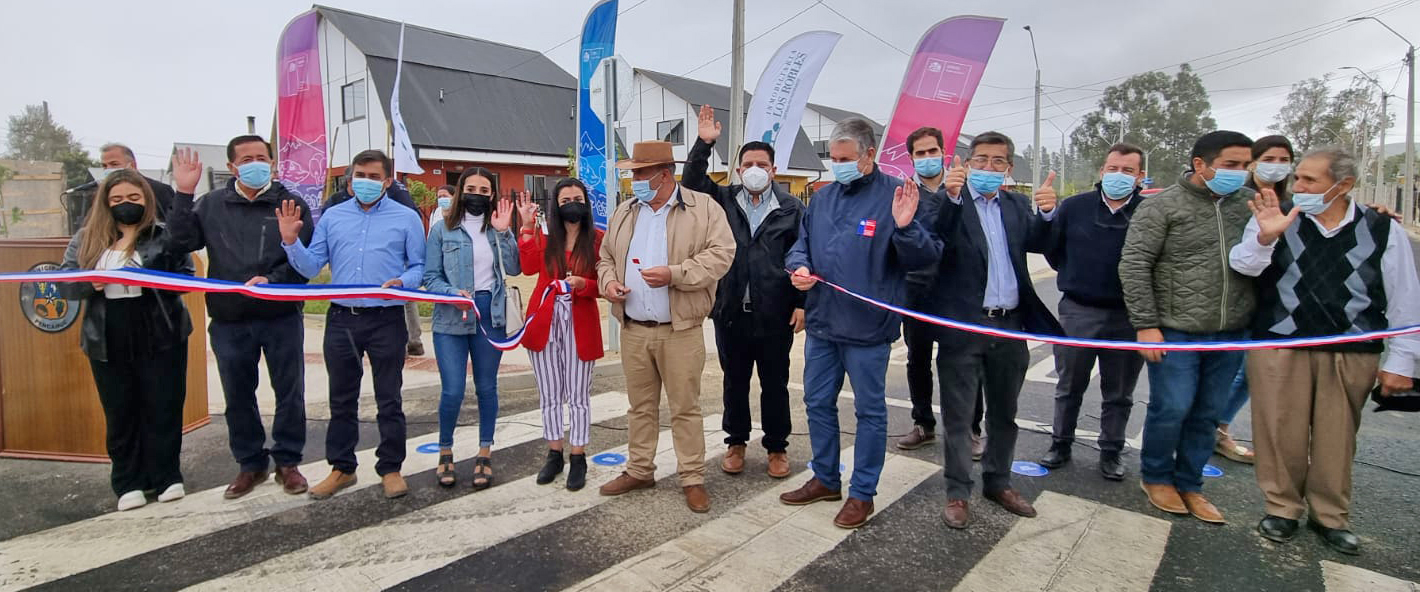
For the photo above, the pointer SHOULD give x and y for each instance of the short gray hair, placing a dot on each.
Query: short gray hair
(116, 146)
(1340, 163)
(857, 130)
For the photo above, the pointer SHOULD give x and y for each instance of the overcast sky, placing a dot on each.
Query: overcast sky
(153, 72)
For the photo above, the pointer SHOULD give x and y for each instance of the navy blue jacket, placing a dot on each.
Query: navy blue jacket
(1086, 242)
(848, 237)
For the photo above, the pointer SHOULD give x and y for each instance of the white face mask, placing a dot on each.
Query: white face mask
(1272, 172)
(755, 179)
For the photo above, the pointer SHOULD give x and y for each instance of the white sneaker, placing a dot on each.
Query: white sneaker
(173, 493)
(131, 500)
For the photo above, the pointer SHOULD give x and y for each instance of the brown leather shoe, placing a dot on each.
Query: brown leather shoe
(916, 438)
(1012, 501)
(332, 484)
(734, 460)
(779, 465)
(394, 485)
(813, 491)
(956, 514)
(291, 480)
(697, 499)
(244, 483)
(624, 483)
(855, 513)
(1164, 497)
(1201, 508)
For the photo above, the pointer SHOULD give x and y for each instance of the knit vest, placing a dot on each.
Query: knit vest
(1320, 286)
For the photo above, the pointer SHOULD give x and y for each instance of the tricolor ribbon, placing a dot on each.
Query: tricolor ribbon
(1126, 345)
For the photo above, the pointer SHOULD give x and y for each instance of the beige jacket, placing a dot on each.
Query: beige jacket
(700, 249)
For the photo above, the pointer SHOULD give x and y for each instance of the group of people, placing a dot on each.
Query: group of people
(1248, 242)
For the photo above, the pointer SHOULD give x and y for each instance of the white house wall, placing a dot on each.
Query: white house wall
(652, 104)
(341, 64)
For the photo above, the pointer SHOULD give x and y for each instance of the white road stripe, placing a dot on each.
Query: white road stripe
(1021, 422)
(756, 546)
(385, 554)
(63, 551)
(1347, 578)
(1074, 544)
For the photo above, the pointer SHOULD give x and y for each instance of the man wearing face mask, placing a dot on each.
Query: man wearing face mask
(983, 278)
(1178, 287)
(1306, 403)
(863, 232)
(370, 240)
(237, 227)
(115, 156)
(757, 311)
(661, 258)
(1086, 241)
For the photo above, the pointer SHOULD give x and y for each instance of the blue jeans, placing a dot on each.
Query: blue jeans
(452, 352)
(1187, 394)
(1237, 397)
(825, 362)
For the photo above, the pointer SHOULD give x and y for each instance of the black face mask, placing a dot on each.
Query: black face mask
(574, 212)
(127, 213)
(475, 204)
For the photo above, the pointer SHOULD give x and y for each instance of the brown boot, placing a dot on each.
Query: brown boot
(779, 465)
(1164, 497)
(734, 461)
(394, 485)
(332, 484)
(1201, 508)
(244, 483)
(813, 491)
(916, 438)
(697, 499)
(855, 513)
(291, 480)
(956, 514)
(624, 483)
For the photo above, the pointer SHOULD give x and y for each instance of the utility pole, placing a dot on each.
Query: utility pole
(1035, 153)
(251, 124)
(737, 87)
(1407, 198)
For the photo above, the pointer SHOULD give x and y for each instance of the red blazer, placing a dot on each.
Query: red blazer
(586, 319)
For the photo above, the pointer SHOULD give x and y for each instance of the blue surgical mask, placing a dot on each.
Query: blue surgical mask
(1226, 181)
(445, 202)
(928, 167)
(367, 191)
(255, 174)
(104, 173)
(846, 172)
(1117, 185)
(1273, 172)
(1312, 203)
(642, 190)
(985, 182)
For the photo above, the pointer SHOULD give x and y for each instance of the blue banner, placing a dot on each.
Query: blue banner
(598, 41)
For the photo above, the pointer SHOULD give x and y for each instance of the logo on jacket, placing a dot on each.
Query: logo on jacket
(867, 227)
(44, 306)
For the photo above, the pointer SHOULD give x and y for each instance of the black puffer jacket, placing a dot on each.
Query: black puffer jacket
(167, 316)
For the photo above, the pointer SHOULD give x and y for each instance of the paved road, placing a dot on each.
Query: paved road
(56, 530)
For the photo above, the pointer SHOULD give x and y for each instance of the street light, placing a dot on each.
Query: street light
(1035, 157)
(1380, 154)
(1064, 163)
(1407, 199)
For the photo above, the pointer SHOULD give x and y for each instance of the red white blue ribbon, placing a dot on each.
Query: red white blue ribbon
(1128, 345)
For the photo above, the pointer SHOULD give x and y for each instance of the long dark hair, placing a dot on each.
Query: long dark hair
(553, 255)
(454, 216)
(1264, 144)
(101, 230)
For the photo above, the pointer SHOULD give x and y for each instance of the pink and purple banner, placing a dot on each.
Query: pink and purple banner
(937, 89)
(301, 154)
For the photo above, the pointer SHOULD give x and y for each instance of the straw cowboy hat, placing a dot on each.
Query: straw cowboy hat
(644, 154)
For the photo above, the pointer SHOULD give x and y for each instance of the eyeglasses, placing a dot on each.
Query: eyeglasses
(982, 162)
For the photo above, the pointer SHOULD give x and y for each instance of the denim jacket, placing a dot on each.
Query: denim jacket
(448, 268)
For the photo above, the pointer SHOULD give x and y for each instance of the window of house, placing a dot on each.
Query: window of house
(821, 147)
(352, 100)
(672, 131)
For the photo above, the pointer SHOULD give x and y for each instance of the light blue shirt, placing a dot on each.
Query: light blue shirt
(364, 248)
(1002, 291)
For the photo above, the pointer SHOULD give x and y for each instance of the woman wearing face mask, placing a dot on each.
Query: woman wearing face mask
(136, 338)
(1271, 169)
(564, 337)
(469, 252)
(445, 195)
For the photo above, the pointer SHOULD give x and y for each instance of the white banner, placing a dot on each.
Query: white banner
(783, 90)
(404, 158)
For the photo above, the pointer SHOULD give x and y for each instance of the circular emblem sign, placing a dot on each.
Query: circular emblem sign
(44, 306)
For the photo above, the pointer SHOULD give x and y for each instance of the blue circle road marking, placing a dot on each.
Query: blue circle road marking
(609, 459)
(429, 448)
(1212, 471)
(1029, 469)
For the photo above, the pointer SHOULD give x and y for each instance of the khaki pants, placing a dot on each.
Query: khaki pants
(652, 357)
(1306, 407)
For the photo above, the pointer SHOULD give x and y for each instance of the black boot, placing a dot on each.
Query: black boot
(1057, 456)
(551, 469)
(577, 475)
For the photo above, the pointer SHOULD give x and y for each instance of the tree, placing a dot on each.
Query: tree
(1305, 114)
(34, 135)
(1163, 115)
(1350, 119)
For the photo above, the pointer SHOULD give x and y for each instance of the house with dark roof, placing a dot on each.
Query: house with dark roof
(466, 101)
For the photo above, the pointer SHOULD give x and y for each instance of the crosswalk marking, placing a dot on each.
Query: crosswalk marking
(1074, 544)
(66, 550)
(1347, 578)
(757, 545)
(385, 554)
(1081, 434)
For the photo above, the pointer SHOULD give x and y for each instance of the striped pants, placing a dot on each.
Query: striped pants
(562, 377)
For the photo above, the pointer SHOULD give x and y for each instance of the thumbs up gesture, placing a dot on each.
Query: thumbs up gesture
(956, 177)
(1045, 194)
